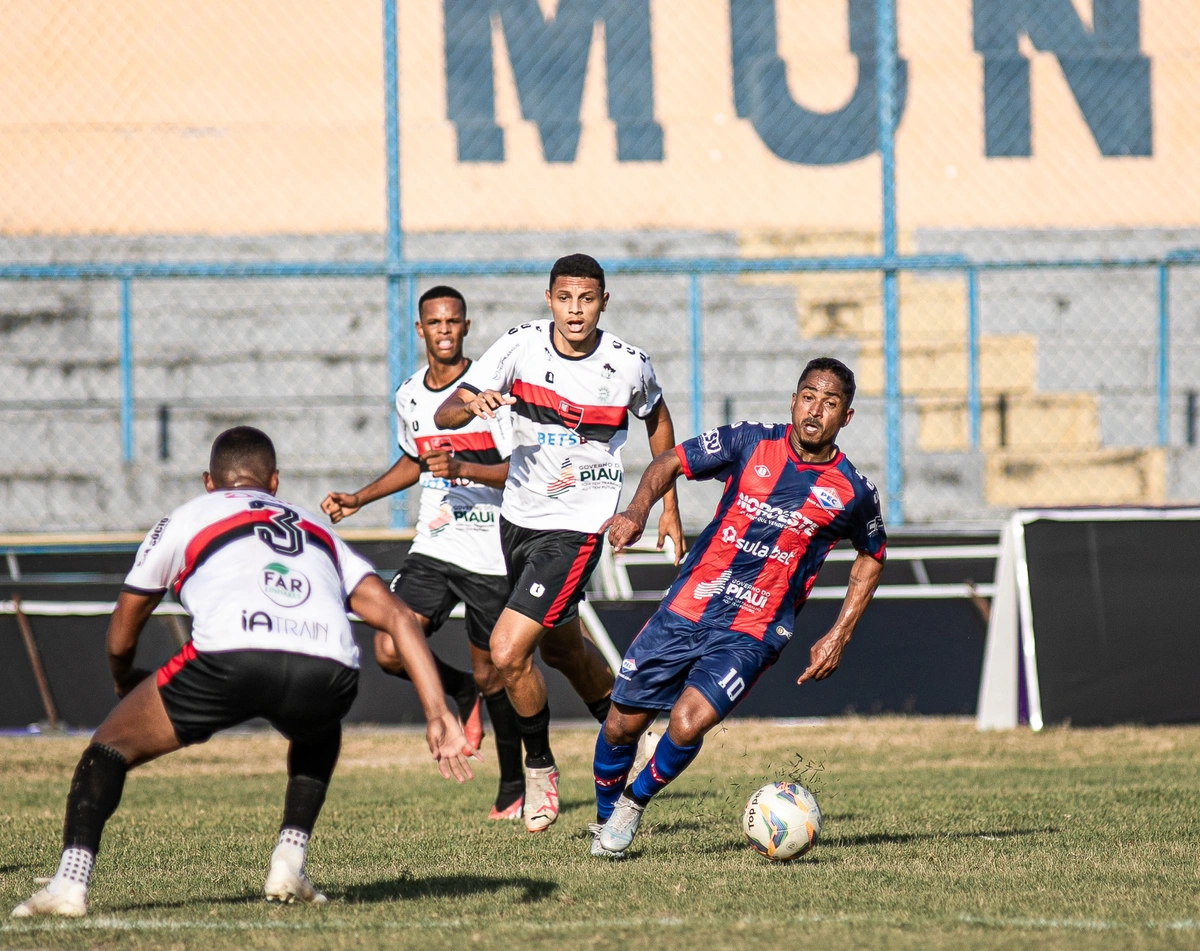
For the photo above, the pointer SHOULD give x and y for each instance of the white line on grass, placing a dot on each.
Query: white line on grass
(341, 924)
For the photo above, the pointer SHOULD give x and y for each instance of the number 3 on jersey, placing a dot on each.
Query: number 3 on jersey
(282, 535)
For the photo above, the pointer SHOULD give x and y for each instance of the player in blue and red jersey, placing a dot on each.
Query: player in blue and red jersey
(790, 496)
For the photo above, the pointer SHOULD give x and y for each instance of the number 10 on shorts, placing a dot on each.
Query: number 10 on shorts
(733, 687)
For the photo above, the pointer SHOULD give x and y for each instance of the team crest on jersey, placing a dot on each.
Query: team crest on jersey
(571, 413)
(286, 586)
(564, 482)
(608, 371)
(827, 498)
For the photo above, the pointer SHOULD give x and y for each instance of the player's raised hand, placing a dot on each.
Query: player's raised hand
(338, 505)
(624, 529)
(441, 464)
(449, 747)
(670, 526)
(486, 402)
(824, 656)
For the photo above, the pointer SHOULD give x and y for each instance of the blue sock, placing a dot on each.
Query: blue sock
(610, 767)
(667, 762)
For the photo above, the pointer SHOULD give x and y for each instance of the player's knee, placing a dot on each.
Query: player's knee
(511, 658)
(487, 678)
(618, 731)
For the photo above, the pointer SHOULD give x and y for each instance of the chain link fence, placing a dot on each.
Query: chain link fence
(198, 228)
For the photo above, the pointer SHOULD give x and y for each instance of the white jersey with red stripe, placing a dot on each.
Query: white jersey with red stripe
(459, 520)
(255, 573)
(570, 422)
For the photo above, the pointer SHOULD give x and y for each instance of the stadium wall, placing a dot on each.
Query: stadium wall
(146, 131)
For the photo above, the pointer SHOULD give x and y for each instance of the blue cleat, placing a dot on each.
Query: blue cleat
(617, 834)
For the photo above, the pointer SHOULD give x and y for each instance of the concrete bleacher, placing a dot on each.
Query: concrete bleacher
(1072, 352)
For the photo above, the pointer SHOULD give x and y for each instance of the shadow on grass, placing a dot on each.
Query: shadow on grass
(8, 869)
(890, 838)
(247, 898)
(887, 838)
(445, 886)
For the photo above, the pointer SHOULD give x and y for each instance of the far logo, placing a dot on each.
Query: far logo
(537, 590)
(549, 377)
(609, 371)
(762, 472)
(711, 441)
(286, 586)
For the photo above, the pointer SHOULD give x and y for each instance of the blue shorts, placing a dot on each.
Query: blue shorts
(672, 653)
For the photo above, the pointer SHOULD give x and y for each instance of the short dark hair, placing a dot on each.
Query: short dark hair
(441, 292)
(577, 265)
(241, 449)
(830, 365)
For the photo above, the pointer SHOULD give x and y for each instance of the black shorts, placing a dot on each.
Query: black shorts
(432, 588)
(548, 570)
(303, 697)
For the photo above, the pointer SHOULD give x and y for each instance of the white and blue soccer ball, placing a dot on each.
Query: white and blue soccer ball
(782, 821)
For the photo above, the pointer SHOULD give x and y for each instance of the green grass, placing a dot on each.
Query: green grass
(935, 836)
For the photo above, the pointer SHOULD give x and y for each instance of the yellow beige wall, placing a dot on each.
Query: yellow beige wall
(262, 116)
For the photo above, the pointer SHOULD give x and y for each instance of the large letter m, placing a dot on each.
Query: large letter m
(549, 60)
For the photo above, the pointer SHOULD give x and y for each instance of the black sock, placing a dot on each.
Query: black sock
(457, 683)
(508, 747)
(95, 793)
(310, 767)
(535, 733)
(599, 708)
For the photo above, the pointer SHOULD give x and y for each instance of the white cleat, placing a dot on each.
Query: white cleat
(541, 798)
(597, 850)
(617, 834)
(71, 902)
(287, 884)
(645, 750)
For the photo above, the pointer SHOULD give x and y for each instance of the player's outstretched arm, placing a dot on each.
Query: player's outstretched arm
(826, 653)
(463, 404)
(661, 433)
(132, 612)
(339, 505)
(626, 527)
(382, 610)
(445, 466)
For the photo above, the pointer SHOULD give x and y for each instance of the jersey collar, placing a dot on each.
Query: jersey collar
(583, 356)
(819, 466)
(442, 389)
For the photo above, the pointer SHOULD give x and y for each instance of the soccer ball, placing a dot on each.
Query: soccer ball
(782, 821)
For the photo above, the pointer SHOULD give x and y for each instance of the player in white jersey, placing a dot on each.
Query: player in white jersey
(571, 388)
(456, 553)
(267, 589)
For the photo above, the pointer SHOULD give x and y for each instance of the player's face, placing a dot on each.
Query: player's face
(442, 326)
(576, 304)
(819, 410)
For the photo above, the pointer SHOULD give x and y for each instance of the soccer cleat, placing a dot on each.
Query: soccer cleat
(541, 798)
(71, 902)
(597, 849)
(645, 750)
(473, 724)
(512, 811)
(286, 881)
(617, 834)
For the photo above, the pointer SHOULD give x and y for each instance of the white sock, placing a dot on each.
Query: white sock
(291, 847)
(74, 868)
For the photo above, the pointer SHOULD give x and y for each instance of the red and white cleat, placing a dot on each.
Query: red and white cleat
(473, 725)
(512, 812)
(541, 798)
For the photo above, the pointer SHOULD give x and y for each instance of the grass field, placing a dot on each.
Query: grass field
(935, 837)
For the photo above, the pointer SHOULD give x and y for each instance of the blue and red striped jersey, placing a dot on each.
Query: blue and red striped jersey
(752, 568)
